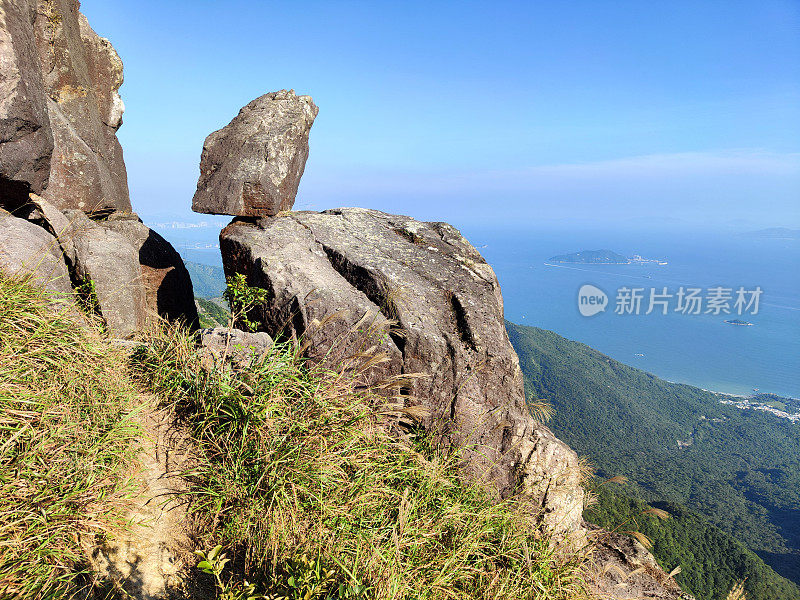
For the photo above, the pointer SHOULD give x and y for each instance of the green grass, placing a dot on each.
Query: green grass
(65, 442)
(299, 481)
(295, 474)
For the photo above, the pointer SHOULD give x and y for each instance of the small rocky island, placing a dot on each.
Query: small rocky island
(602, 257)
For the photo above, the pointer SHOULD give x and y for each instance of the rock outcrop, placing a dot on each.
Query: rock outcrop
(623, 569)
(30, 251)
(165, 279)
(82, 74)
(252, 166)
(26, 141)
(61, 169)
(423, 295)
(354, 282)
(234, 346)
(135, 273)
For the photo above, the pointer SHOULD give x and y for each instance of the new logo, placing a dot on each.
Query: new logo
(591, 300)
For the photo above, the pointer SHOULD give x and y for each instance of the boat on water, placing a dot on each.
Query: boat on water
(738, 322)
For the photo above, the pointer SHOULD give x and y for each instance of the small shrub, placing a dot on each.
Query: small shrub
(86, 291)
(213, 563)
(241, 298)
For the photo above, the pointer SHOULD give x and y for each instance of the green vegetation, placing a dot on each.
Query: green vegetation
(295, 477)
(710, 560)
(86, 292)
(207, 281)
(242, 297)
(299, 481)
(213, 563)
(65, 441)
(211, 314)
(676, 443)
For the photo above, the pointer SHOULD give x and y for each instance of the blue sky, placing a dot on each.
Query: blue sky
(499, 113)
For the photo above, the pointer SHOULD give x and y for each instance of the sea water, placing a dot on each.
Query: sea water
(700, 350)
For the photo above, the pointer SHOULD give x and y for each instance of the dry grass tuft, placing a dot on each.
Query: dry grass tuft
(64, 441)
(311, 498)
(737, 592)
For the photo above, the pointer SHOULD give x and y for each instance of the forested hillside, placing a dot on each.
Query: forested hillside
(709, 559)
(676, 443)
(207, 281)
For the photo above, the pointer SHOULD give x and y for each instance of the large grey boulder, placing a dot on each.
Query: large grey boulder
(110, 262)
(45, 215)
(167, 285)
(59, 109)
(29, 251)
(82, 74)
(252, 166)
(135, 273)
(26, 142)
(352, 280)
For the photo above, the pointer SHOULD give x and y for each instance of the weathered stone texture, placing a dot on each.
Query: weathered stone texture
(620, 568)
(229, 345)
(136, 273)
(82, 74)
(26, 142)
(427, 299)
(253, 165)
(167, 284)
(29, 250)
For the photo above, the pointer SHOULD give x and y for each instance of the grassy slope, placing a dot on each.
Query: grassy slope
(742, 470)
(64, 443)
(294, 474)
(299, 480)
(211, 314)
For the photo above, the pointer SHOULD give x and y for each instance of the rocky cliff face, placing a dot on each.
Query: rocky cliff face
(425, 297)
(82, 74)
(62, 176)
(26, 140)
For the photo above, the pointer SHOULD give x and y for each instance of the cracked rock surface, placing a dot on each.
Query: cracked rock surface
(426, 297)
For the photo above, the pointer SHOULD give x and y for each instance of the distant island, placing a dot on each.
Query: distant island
(737, 322)
(602, 257)
(773, 233)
